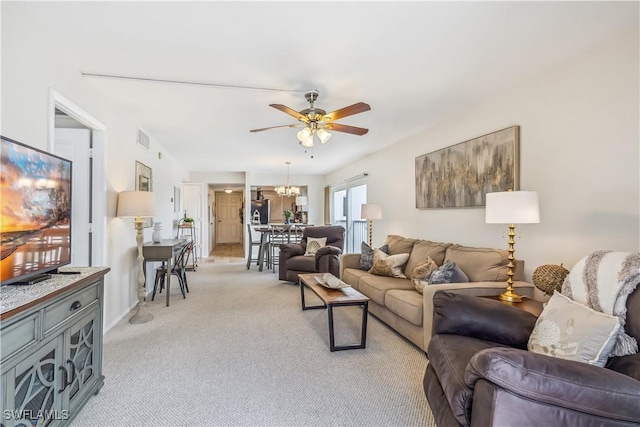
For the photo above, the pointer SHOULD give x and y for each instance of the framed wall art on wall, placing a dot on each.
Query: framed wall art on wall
(144, 177)
(462, 174)
(144, 182)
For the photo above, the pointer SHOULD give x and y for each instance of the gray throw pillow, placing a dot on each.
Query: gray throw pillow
(448, 272)
(366, 255)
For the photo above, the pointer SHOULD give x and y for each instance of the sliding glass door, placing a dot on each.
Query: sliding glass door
(345, 211)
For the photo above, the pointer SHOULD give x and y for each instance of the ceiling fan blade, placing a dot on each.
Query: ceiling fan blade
(296, 125)
(360, 107)
(346, 128)
(288, 111)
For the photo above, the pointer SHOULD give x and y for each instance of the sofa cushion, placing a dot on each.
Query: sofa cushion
(375, 287)
(366, 255)
(421, 274)
(449, 356)
(423, 249)
(302, 263)
(480, 264)
(406, 304)
(352, 276)
(448, 272)
(570, 330)
(399, 245)
(388, 265)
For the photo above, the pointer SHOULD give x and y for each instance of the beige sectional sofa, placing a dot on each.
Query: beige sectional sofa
(397, 303)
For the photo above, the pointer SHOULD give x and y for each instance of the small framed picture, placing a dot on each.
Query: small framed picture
(144, 177)
(144, 182)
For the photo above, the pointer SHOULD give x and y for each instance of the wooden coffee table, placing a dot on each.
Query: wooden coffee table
(335, 298)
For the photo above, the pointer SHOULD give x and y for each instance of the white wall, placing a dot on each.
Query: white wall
(579, 149)
(29, 69)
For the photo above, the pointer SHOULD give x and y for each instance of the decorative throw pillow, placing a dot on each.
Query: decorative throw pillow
(569, 330)
(313, 244)
(398, 244)
(388, 265)
(366, 255)
(448, 272)
(422, 272)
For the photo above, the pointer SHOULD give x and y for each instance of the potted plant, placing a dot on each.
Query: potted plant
(287, 216)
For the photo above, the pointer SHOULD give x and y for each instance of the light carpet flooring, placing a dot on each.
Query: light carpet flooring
(240, 351)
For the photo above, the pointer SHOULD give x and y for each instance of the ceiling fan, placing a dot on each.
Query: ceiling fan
(316, 121)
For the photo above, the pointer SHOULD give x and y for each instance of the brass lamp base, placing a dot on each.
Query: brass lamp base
(510, 295)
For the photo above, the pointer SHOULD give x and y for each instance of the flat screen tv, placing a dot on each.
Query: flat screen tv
(35, 213)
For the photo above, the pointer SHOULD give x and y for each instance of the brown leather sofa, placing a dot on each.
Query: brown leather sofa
(292, 260)
(480, 373)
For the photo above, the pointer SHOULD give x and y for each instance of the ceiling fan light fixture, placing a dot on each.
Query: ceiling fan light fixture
(323, 135)
(315, 120)
(308, 142)
(305, 136)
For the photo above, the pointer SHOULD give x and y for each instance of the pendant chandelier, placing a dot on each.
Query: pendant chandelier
(287, 190)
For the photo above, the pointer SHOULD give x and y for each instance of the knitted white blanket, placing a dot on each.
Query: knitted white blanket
(603, 280)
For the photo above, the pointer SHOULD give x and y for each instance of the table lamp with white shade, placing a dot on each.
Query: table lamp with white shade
(371, 211)
(512, 207)
(138, 205)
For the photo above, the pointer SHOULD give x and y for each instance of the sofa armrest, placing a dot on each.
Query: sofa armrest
(349, 261)
(289, 250)
(469, 288)
(563, 383)
(328, 250)
(481, 318)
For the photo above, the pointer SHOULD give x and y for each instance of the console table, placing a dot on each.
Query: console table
(51, 353)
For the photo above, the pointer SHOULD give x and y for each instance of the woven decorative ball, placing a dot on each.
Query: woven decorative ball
(549, 278)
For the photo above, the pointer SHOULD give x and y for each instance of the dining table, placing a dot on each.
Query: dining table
(267, 231)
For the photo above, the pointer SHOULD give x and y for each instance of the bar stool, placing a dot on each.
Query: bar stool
(253, 242)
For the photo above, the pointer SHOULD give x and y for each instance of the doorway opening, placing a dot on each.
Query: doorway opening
(74, 133)
(226, 222)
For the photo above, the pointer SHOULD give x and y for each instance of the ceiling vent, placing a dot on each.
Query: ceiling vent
(143, 139)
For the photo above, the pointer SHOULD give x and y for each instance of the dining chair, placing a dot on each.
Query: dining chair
(295, 234)
(279, 235)
(179, 269)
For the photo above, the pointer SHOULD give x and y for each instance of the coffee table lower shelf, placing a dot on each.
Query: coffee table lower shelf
(335, 298)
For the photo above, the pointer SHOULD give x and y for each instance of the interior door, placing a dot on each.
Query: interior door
(75, 144)
(228, 218)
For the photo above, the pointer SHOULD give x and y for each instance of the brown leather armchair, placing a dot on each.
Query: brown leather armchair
(293, 262)
(480, 373)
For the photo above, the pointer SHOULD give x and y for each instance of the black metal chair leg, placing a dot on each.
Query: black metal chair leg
(181, 282)
(155, 284)
(184, 277)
